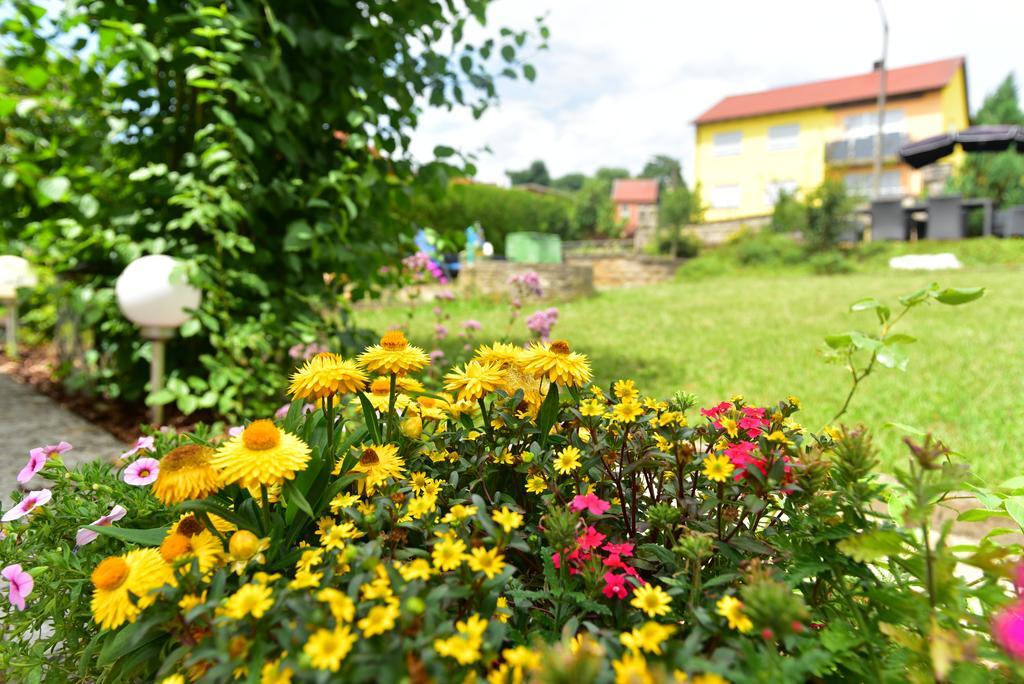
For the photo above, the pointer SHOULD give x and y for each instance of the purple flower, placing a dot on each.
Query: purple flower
(282, 411)
(21, 585)
(85, 536)
(32, 500)
(141, 444)
(445, 295)
(37, 459)
(527, 283)
(542, 321)
(472, 324)
(141, 472)
(1008, 629)
(436, 356)
(440, 331)
(235, 431)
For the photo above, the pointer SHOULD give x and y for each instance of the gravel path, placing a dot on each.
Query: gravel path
(29, 419)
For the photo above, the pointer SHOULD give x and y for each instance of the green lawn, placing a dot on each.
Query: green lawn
(760, 335)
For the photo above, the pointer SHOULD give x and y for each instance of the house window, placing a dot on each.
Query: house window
(784, 137)
(728, 144)
(863, 184)
(773, 188)
(624, 212)
(866, 125)
(725, 197)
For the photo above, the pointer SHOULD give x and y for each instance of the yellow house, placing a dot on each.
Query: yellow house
(751, 146)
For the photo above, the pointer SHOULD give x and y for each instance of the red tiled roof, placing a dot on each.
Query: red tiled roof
(635, 191)
(901, 81)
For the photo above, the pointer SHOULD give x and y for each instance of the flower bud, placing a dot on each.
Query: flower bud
(243, 545)
(412, 427)
(415, 605)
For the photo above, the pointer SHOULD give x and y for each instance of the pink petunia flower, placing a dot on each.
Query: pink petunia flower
(141, 472)
(20, 585)
(615, 585)
(591, 539)
(26, 505)
(589, 502)
(625, 550)
(85, 536)
(141, 444)
(37, 459)
(1008, 629)
(716, 410)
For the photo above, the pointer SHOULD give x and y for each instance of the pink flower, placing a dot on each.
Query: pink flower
(85, 536)
(1008, 630)
(282, 411)
(589, 502)
(141, 444)
(25, 506)
(235, 431)
(440, 331)
(716, 410)
(472, 324)
(141, 472)
(614, 560)
(615, 585)
(21, 584)
(37, 459)
(739, 450)
(619, 549)
(591, 539)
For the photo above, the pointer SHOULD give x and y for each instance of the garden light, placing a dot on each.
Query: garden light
(153, 294)
(15, 273)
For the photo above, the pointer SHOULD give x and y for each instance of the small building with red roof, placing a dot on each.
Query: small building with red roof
(636, 204)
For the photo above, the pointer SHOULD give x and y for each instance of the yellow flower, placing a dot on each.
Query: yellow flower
(274, 673)
(535, 484)
(568, 460)
(245, 547)
(190, 543)
(631, 668)
(626, 411)
(262, 455)
(380, 396)
(490, 563)
(417, 568)
(338, 534)
(793, 401)
(394, 355)
(448, 554)
(709, 678)
(305, 579)
(502, 614)
(731, 608)
(431, 408)
(464, 647)
(325, 375)
(419, 506)
(344, 500)
(326, 648)
(459, 512)
(380, 619)
(558, 363)
(119, 578)
(341, 606)
(500, 353)
(718, 467)
(651, 600)
(173, 679)
(779, 437)
(592, 407)
(508, 519)
(190, 601)
(474, 380)
(647, 637)
(729, 426)
(250, 599)
(625, 389)
(186, 473)
(380, 462)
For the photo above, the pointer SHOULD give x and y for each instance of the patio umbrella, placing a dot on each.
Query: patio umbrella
(973, 139)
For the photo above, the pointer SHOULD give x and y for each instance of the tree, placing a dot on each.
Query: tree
(570, 182)
(263, 142)
(536, 173)
(678, 207)
(998, 176)
(593, 211)
(666, 170)
(611, 173)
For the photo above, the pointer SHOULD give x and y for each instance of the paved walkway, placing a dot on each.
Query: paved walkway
(29, 419)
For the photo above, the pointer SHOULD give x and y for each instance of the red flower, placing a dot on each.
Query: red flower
(615, 585)
(623, 549)
(591, 539)
(716, 411)
(589, 502)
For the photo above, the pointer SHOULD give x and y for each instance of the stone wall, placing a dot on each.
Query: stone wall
(612, 271)
(719, 232)
(561, 281)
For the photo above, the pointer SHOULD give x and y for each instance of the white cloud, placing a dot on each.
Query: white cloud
(621, 81)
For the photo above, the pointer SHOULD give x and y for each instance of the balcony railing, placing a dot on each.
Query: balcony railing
(862, 150)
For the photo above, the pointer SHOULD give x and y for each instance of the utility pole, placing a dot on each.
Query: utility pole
(879, 136)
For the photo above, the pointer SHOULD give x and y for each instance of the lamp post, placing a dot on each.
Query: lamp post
(154, 295)
(15, 272)
(879, 136)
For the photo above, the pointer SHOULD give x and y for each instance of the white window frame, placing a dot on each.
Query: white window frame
(624, 212)
(865, 124)
(727, 143)
(783, 137)
(726, 197)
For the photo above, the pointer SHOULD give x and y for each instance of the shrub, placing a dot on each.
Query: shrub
(529, 525)
(761, 248)
(687, 247)
(830, 263)
(789, 214)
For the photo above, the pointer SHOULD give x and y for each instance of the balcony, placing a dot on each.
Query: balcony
(853, 151)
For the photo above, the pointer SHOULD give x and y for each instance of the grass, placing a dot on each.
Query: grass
(760, 335)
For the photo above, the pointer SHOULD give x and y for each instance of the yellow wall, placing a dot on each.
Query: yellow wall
(924, 115)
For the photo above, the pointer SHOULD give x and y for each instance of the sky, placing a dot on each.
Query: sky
(621, 81)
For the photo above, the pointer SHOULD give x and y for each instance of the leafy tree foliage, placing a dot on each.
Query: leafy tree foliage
(999, 176)
(536, 173)
(678, 207)
(263, 142)
(593, 211)
(570, 182)
(665, 169)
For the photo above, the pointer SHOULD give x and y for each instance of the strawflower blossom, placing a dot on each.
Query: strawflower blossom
(141, 472)
(20, 585)
(589, 502)
(146, 443)
(37, 459)
(85, 536)
(1008, 630)
(31, 501)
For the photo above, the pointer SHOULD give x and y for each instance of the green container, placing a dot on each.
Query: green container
(533, 248)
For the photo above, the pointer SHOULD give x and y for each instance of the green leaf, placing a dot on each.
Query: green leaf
(529, 72)
(442, 151)
(903, 427)
(53, 188)
(370, 418)
(35, 76)
(1015, 507)
(955, 296)
(292, 496)
(838, 341)
(1016, 482)
(977, 514)
(872, 546)
(548, 412)
(893, 356)
(151, 537)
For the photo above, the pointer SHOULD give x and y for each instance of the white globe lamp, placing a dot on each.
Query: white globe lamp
(15, 273)
(154, 294)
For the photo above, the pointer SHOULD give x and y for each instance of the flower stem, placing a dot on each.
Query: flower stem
(392, 419)
(265, 509)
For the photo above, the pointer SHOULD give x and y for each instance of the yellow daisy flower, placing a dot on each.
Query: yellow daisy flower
(718, 468)
(731, 608)
(647, 637)
(568, 460)
(558, 363)
(458, 513)
(379, 462)
(250, 599)
(631, 668)
(394, 355)
(500, 353)
(118, 578)
(489, 562)
(474, 380)
(262, 455)
(418, 568)
(325, 375)
(186, 473)
(651, 600)
(448, 554)
(508, 519)
(625, 389)
(326, 648)
(592, 407)
(535, 484)
(626, 411)
(341, 606)
(380, 619)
